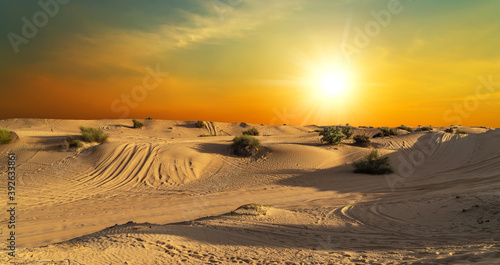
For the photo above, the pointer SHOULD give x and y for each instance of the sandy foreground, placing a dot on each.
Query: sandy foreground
(164, 195)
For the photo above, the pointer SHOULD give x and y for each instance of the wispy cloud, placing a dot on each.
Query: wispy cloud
(130, 50)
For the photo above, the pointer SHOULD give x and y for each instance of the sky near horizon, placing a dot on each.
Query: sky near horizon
(379, 63)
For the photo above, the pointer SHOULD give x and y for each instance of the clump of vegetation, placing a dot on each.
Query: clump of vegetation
(71, 142)
(362, 140)
(332, 135)
(245, 145)
(449, 130)
(373, 165)
(385, 131)
(148, 118)
(137, 124)
(406, 128)
(205, 135)
(90, 134)
(251, 131)
(251, 209)
(347, 131)
(5, 136)
(461, 132)
(200, 124)
(425, 129)
(392, 131)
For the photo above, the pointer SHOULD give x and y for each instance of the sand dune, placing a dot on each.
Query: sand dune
(178, 190)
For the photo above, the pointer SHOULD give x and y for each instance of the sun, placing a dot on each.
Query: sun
(332, 83)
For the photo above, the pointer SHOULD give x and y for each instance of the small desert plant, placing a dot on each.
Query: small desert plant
(389, 131)
(332, 135)
(373, 165)
(200, 124)
(406, 128)
(251, 131)
(425, 129)
(148, 118)
(461, 132)
(449, 130)
(71, 142)
(5, 136)
(251, 209)
(347, 131)
(245, 145)
(362, 140)
(137, 124)
(205, 135)
(385, 131)
(93, 134)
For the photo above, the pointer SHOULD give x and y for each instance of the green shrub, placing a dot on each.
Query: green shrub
(385, 131)
(5, 136)
(332, 135)
(373, 165)
(71, 142)
(347, 131)
(425, 129)
(93, 134)
(137, 124)
(148, 118)
(251, 131)
(362, 140)
(406, 128)
(461, 132)
(449, 130)
(200, 124)
(245, 145)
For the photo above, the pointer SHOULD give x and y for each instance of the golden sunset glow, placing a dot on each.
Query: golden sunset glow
(325, 62)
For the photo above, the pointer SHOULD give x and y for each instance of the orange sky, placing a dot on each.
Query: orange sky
(407, 62)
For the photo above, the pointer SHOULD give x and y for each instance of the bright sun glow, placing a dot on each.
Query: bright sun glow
(332, 83)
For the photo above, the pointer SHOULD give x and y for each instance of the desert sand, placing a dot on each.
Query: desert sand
(163, 195)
